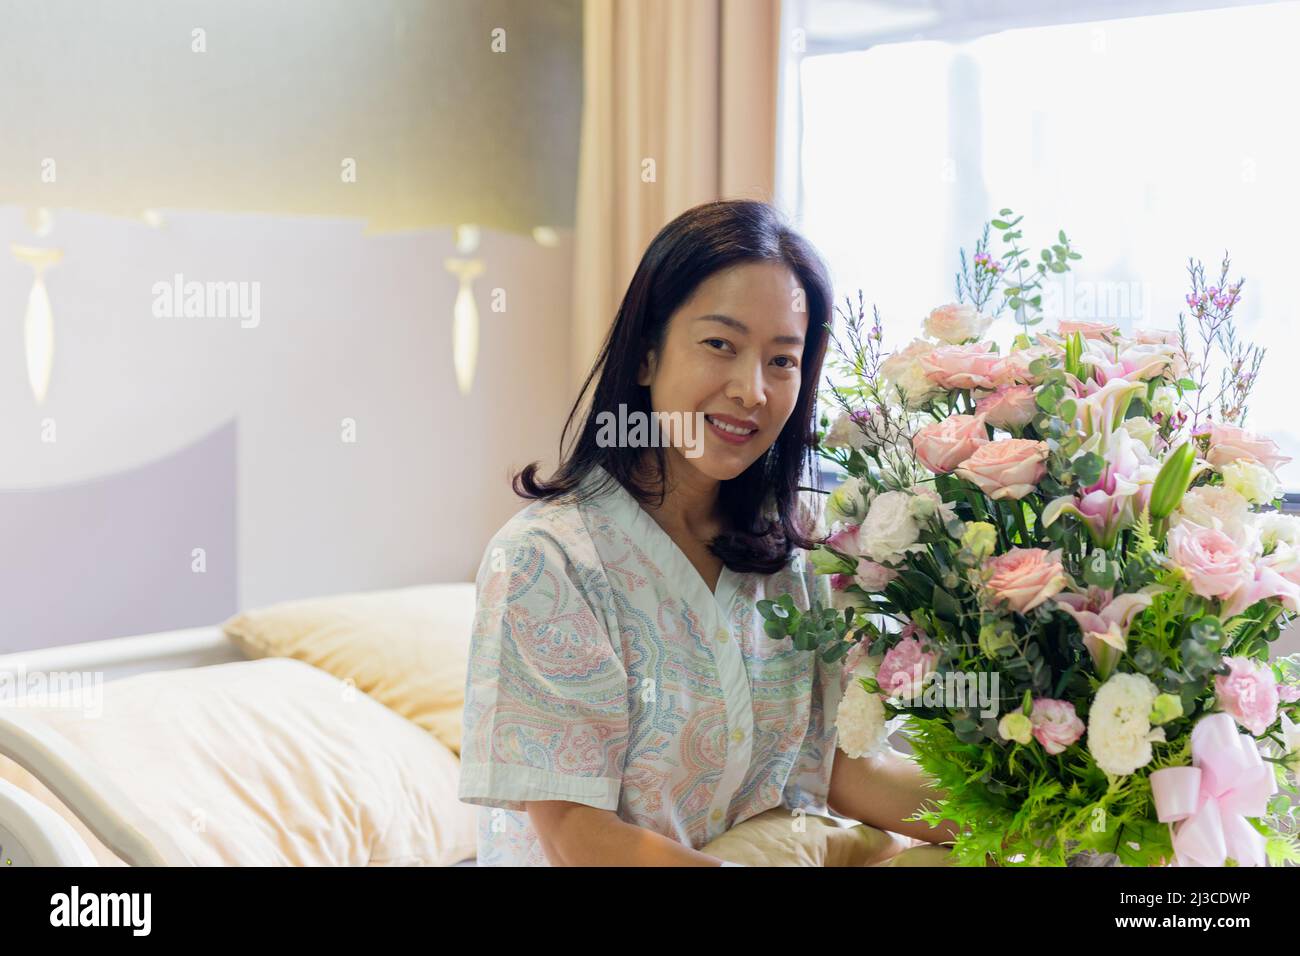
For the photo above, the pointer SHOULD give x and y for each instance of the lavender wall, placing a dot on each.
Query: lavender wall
(116, 555)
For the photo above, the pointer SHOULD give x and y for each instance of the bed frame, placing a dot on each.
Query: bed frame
(31, 834)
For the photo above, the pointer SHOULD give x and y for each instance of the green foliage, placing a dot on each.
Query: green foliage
(1023, 293)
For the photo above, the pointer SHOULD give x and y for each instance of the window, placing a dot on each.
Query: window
(1149, 139)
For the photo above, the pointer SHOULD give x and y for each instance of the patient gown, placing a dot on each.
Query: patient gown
(604, 672)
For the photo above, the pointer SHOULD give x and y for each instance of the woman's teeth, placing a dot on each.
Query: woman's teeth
(730, 428)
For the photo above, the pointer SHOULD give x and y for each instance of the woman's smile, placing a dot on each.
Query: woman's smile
(732, 430)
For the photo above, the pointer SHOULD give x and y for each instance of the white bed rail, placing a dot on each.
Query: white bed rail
(34, 834)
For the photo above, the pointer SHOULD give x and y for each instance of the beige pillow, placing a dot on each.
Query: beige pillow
(771, 839)
(268, 762)
(406, 648)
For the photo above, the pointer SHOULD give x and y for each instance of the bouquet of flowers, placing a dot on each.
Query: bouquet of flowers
(1060, 568)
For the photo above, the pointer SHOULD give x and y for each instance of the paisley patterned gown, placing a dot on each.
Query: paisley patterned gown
(604, 671)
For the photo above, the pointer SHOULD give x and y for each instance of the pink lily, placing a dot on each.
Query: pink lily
(1119, 494)
(1105, 620)
(1267, 583)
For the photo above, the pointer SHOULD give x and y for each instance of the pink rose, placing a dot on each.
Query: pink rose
(962, 366)
(1089, 330)
(1228, 443)
(1025, 577)
(1157, 337)
(873, 577)
(1011, 406)
(1010, 468)
(956, 323)
(1055, 724)
(1249, 693)
(1215, 565)
(904, 668)
(944, 445)
(1013, 369)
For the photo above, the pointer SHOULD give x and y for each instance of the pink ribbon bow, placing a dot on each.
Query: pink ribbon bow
(1226, 783)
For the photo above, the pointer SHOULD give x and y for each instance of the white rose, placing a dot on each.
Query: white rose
(1119, 726)
(902, 369)
(890, 530)
(1251, 480)
(956, 324)
(1220, 508)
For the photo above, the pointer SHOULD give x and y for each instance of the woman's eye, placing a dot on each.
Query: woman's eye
(787, 358)
(721, 341)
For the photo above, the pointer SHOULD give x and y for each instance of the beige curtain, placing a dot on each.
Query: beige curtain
(679, 107)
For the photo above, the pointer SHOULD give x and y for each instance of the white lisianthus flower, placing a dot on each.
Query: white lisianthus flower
(1016, 726)
(1278, 528)
(847, 431)
(1291, 743)
(890, 529)
(928, 503)
(902, 369)
(860, 721)
(847, 503)
(1119, 724)
(1142, 430)
(956, 323)
(1164, 401)
(1251, 480)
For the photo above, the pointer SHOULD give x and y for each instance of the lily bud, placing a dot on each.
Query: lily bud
(1172, 481)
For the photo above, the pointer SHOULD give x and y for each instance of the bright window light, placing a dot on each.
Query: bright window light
(1148, 139)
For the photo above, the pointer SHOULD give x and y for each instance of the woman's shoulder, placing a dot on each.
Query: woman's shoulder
(556, 524)
(544, 557)
(551, 535)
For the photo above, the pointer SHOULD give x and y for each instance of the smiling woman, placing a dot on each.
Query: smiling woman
(725, 317)
(624, 705)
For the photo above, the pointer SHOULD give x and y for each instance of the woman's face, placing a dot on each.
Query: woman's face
(733, 352)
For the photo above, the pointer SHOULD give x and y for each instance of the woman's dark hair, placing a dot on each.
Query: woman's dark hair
(698, 243)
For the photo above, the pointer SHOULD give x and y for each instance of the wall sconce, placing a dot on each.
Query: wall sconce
(38, 326)
(464, 314)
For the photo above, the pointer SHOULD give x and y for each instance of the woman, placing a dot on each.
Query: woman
(623, 704)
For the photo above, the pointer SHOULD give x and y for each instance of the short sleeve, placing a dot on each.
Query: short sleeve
(546, 695)
(808, 785)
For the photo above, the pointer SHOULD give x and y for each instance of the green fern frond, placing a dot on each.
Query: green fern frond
(1143, 541)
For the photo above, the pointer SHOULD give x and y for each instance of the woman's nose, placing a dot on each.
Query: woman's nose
(748, 385)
